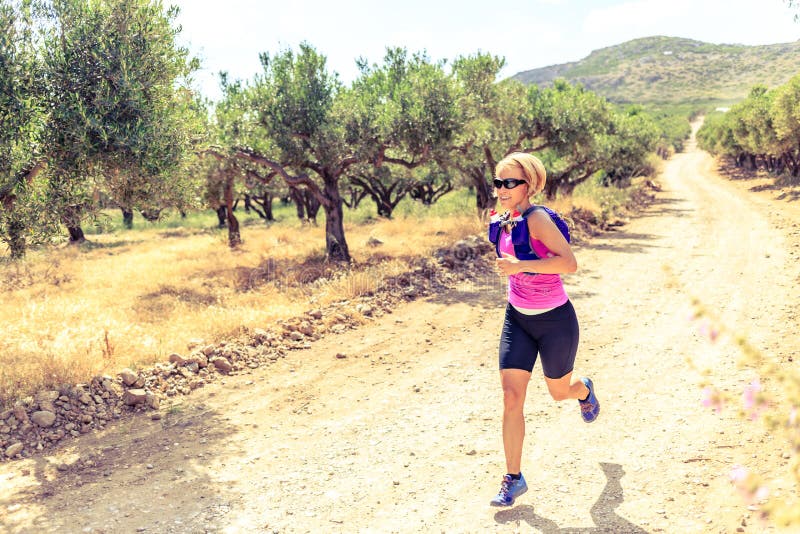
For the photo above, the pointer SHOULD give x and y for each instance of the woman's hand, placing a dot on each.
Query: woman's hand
(508, 264)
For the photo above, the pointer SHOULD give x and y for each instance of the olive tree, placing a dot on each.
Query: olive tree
(297, 106)
(751, 126)
(402, 115)
(322, 132)
(574, 120)
(229, 127)
(23, 207)
(121, 118)
(492, 122)
(785, 115)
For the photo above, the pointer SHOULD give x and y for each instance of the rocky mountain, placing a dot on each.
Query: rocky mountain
(675, 70)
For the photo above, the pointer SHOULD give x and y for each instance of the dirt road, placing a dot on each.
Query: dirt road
(403, 434)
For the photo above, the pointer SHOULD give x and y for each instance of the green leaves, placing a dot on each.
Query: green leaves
(113, 69)
(573, 130)
(765, 125)
(785, 113)
(98, 91)
(22, 124)
(403, 109)
(294, 99)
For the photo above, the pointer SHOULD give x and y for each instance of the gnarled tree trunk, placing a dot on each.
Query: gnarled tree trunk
(299, 203)
(71, 218)
(222, 216)
(267, 206)
(306, 203)
(234, 237)
(15, 229)
(311, 204)
(127, 218)
(16, 240)
(76, 236)
(335, 243)
(483, 190)
(551, 189)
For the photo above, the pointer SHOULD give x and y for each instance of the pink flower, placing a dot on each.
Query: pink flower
(713, 334)
(703, 328)
(749, 394)
(751, 399)
(738, 474)
(712, 399)
(706, 329)
(707, 395)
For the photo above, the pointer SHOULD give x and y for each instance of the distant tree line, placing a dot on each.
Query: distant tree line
(674, 129)
(763, 130)
(96, 110)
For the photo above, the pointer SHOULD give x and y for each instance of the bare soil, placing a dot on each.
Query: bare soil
(401, 431)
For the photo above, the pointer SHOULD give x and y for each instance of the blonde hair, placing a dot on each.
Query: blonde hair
(531, 168)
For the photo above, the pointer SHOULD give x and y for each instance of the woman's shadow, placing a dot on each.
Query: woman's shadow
(602, 512)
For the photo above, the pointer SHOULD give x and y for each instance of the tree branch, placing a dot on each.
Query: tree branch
(489, 159)
(516, 144)
(27, 174)
(316, 167)
(531, 149)
(345, 163)
(300, 179)
(400, 161)
(214, 152)
(263, 179)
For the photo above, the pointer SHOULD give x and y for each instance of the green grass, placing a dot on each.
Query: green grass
(455, 202)
(110, 221)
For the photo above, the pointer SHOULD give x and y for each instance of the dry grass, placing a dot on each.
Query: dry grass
(131, 299)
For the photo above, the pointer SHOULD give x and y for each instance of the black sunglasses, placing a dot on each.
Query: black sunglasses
(508, 183)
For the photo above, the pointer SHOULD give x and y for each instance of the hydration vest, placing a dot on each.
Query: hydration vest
(520, 235)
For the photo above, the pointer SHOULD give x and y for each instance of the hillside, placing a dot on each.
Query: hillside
(671, 70)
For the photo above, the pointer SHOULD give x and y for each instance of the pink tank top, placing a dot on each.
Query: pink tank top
(533, 292)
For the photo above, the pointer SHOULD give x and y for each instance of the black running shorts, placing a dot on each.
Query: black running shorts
(553, 334)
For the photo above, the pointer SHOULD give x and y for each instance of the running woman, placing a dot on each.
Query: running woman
(539, 317)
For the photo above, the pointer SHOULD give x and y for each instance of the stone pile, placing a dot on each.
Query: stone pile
(36, 423)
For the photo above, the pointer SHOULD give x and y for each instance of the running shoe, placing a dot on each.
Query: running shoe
(590, 408)
(510, 489)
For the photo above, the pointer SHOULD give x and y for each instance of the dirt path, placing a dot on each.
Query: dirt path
(403, 434)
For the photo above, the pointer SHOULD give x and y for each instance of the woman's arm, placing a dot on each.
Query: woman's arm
(542, 228)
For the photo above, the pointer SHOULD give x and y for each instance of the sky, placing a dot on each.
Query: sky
(228, 35)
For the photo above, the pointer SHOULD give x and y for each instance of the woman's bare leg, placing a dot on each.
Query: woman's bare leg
(515, 386)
